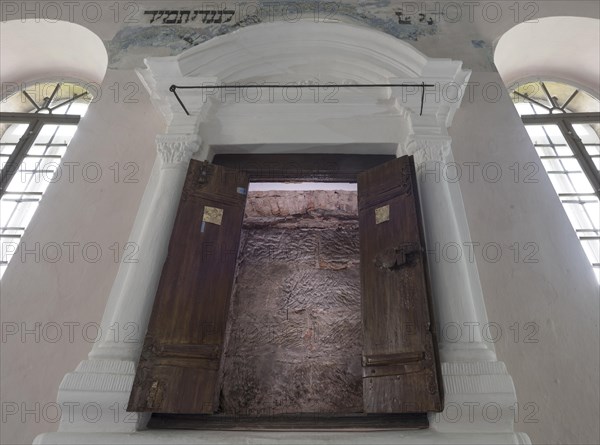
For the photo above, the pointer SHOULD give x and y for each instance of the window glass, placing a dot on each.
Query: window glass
(564, 153)
(35, 173)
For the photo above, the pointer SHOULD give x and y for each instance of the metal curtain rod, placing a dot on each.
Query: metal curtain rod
(423, 85)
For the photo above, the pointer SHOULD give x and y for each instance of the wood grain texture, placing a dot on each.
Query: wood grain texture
(178, 370)
(400, 364)
(301, 167)
(178, 367)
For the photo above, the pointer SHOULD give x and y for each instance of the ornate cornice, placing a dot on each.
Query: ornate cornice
(158, 77)
(345, 53)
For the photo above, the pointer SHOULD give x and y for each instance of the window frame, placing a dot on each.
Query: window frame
(35, 123)
(565, 120)
(40, 116)
(565, 123)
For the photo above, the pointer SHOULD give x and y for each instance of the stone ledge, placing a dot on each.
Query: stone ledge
(160, 437)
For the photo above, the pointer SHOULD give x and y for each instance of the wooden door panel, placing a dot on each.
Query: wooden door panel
(179, 364)
(400, 365)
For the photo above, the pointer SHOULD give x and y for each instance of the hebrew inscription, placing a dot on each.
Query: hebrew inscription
(183, 16)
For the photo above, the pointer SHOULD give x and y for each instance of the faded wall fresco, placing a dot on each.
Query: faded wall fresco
(169, 30)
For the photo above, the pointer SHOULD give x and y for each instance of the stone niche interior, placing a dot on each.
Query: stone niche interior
(294, 337)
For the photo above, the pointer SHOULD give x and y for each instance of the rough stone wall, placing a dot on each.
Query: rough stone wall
(294, 333)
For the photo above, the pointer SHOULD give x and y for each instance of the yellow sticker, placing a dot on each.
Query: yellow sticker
(382, 214)
(212, 215)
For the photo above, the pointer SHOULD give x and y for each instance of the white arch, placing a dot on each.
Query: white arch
(560, 48)
(327, 50)
(314, 52)
(34, 50)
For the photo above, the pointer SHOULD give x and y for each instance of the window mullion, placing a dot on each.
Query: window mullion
(53, 119)
(549, 119)
(532, 101)
(585, 160)
(19, 153)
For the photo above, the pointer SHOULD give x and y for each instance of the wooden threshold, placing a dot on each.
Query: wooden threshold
(289, 422)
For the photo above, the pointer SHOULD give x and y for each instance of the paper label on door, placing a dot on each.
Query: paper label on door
(212, 215)
(382, 214)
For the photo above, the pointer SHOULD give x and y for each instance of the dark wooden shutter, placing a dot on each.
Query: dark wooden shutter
(400, 360)
(179, 364)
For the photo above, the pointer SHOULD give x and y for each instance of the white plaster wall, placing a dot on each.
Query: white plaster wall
(25, 58)
(560, 372)
(80, 211)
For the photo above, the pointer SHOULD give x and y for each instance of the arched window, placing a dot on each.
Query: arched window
(36, 126)
(563, 124)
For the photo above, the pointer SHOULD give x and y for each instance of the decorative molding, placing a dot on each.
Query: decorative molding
(158, 77)
(473, 368)
(478, 384)
(338, 53)
(476, 378)
(96, 382)
(434, 149)
(107, 366)
(105, 384)
(100, 376)
(177, 149)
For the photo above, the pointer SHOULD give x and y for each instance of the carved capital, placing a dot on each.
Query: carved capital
(428, 149)
(176, 149)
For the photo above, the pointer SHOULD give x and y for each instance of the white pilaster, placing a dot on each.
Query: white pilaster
(103, 382)
(131, 298)
(454, 293)
(479, 393)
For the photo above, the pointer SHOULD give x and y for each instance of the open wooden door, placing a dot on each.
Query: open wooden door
(179, 364)
(401, 372)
